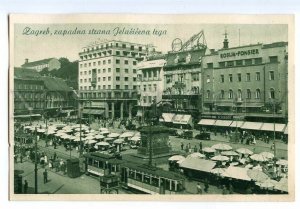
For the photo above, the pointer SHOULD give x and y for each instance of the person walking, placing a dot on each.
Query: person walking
(195, 148)
(45, 174)
(25, 187)
(199, 189)
(182, 146)
(206, 186)
(200, 146)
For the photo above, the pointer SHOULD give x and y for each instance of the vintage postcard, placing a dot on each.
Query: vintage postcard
(151, 107)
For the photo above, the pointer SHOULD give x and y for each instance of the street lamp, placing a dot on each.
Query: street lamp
(273, 103)
(35, 164)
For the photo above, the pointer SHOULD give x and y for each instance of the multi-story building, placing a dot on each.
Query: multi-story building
(182, 81)
(249, 81)
(35, 94)
(108, 78)
(39, 65)
(150, 78)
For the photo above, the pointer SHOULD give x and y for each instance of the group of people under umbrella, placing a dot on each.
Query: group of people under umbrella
(264, 169)
(76, 135)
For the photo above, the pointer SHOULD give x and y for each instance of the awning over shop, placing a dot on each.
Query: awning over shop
(252, 125)
(207, 122)
(224, 123)
(93, 111)
(167, 117)
(182, 119)
(270, 127)
(198, 164)
(237, 173)
(27, 116)
(286, 131)
(237, 124)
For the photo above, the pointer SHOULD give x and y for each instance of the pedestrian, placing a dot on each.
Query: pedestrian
(186, 148)
(200, 146)
(206, 186)
(25, 187)
(199, 189)
(230, 188)
(182, 145)
(54, 156)
(224, 190)
(45, 174)
(195, 148)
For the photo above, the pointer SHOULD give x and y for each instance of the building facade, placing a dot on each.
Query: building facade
(249, 81)
(182, 81)
(108, 78)
(49, 63)
(150, 77)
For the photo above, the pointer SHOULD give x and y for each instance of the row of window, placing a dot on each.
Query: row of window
(90, 64)
(94, 95)
(182, 77)
(106, 46)
(104, 87)
(150, 87)
(30, 86)
(118, 78)
(118, 70)
(239, 77)
(240, 94)
(149, 99)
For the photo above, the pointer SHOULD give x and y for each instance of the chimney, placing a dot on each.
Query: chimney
(26, 60)
(225, 42)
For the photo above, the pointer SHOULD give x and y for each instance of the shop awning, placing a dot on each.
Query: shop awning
(27, 116)
(270, 127)
(93, 111)
(235, 124)
(237, 173)
(207, 122)
(224, 123)
(167, 117)
(252, 125)
(182, 119)
(286, 131)
(198, 164)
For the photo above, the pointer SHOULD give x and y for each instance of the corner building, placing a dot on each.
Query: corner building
(248, 81)
(108, 78)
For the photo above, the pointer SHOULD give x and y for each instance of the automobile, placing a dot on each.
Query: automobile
(203, 136)
(187, 134)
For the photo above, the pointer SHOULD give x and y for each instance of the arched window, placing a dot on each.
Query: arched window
(222, 94)
(207, 94)
(272, 93)
(248, 94)
(257, 94)
(230, 95)
(240, 94)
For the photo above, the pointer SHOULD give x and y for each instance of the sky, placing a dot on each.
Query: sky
(36, 47)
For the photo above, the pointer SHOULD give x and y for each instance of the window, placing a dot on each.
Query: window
(230, 64)
(123, 45)
(117, 52)
(126, 86)
(134, 70)
(126, 62)
(104, 87)
(258, 61)
(99, 70)
(132, 47)
(149, 99)
(126, 70)
(90, 64)
(109, 70)
(85, 80)
(207, 79)
(154, 73)
(257, 94)
(134, 78)
(222, 78)
(195, 76)
(80, 65)
(240, 95)
(104, 62)
(239, 62)
(90, 88)
(85, 73)
(117, 78)
(140, 48)
(126, 78)
(117, 44)
(80, 80)
(117, 70)
(169, 78)
(90, 72)
(210, 65)
(273, 59)
(144, 99)
(104, 70)
(80, 73)
(85, 65)
(109, 78)
(247, 76)
(134, 87)
(117, 61)
(271, 75)
(145, 88)
(117, 86)
(134, 62)
(99, 62)
(221, 64)
(109, 61)
(239, 77)
(99, 87)
(248, 94)
(230, 77)
(257, 76)
(94, 63)
(207, 94)
(149, 87)
(155, 87)
(104, 79)
(109, 87)
(99, 79)
(230, 95)
(90, 79)
(248, 61)
(222, 94)
(272, 93)
(85, 88)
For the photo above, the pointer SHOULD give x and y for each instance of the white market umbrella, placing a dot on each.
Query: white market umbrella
(41, 130)
(221, 146)
(127, 134)
(229, 153)
(208, 150)
(102, 144)
(104, 132)
(196, 155)
(65, 136)
(267, 155)
(113, 135)
(244, 151)
(220, 158)
(99, 136)
(78, 139)
(90, 141)
(267, 184)
(103, 129)
(119, 141)
(218, 171)
(90, 134)
(176, 158)
(259, 158)
(282, 185)
(282, 162)
(257, 175)
(137, 134)
(135, 138)
(89, 137)
(108, 139)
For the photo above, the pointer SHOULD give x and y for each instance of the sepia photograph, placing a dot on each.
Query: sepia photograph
(155, 107)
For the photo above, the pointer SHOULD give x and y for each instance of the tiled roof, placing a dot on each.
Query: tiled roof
(276, 44)
(25, 73)
(182, 57)
(38, 62)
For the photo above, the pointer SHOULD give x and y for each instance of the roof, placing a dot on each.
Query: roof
(198, 164)
(154, 129)
(55, 84)
(195, 57)
(23, 73)
(38, 62)
(276, 44)
(237, 173)
(104, 157)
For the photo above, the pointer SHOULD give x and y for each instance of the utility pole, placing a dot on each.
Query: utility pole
(35, 164)
(274, 129)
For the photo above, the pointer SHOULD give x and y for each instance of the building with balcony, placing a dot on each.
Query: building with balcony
(182, 82)
(150, 79)
(108, 78)
(249, 81)
(39, 65)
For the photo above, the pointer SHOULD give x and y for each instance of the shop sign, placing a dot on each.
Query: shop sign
(239, 53)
